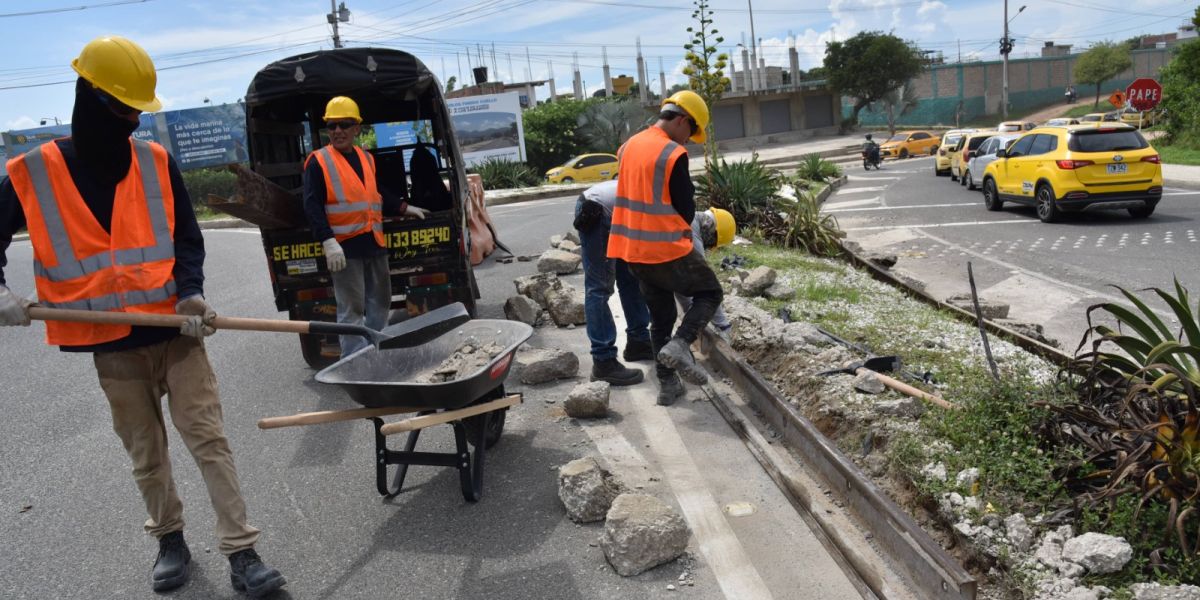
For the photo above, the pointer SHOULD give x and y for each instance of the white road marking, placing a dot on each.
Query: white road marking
(940, 225)
(835, 210)
(870, 178)
(874, 188)
(623, 459)
(837, 205)
(236, 230)
(1052, 298)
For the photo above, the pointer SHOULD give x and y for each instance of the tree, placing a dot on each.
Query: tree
(705, 65)
(1100, 63)
(550, 132)
(870, 65)
(450, 83)
(607, 125)
(1181, 93)
(899, 102)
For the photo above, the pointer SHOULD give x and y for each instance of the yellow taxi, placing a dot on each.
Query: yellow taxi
(909, 143)
(585, 167)
(1093, 118)
(1076, 168)
(950, 139)
(960, 155)
(1132, 116)
(1009, 126)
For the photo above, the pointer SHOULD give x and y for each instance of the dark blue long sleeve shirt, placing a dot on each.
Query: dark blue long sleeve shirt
(189, 242)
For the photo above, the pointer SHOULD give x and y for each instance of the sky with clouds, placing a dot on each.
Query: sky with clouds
(210, 50)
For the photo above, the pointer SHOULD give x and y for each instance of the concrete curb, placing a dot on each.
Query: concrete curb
(1186, 184)
(502, 197)
(828, 190)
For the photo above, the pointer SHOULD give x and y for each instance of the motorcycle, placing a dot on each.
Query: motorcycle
(871, 159)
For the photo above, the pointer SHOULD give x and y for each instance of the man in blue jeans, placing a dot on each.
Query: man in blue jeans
(593, 217)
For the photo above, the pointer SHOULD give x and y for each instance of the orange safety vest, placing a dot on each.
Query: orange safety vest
(353, 205)
(645, 227)
(76, 263)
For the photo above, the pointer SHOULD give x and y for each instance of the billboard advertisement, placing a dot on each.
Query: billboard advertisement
(403, 133)
(206, 137)
(20, 141)
(488, 127)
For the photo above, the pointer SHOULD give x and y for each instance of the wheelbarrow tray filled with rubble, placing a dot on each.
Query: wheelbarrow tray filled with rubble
(454, 376)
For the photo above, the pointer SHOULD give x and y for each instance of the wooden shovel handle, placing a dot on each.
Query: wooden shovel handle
(157, 320)
(909, 390)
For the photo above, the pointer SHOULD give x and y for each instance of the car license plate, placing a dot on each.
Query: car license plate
(1118, 169)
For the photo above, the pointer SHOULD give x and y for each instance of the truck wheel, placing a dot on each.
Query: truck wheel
(310, 348)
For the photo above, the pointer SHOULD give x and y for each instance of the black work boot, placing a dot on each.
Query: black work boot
(248, 574)
(670, 389)
(676, 355)
(636, 350)
(173, 565)
(614, 372)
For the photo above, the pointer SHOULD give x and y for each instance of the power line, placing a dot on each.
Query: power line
(1120, 11)
(777, 11)
(71, 8)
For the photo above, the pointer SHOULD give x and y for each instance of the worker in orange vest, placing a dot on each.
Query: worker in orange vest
(652, 232)
(112, 229)
(344, 207)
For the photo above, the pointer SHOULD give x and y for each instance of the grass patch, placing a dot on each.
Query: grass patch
(1079, 111)
(1179, 155)
(812, 291)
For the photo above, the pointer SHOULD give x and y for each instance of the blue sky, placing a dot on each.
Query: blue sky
(212, 49)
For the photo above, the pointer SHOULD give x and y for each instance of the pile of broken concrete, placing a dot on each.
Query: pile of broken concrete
(545, 294)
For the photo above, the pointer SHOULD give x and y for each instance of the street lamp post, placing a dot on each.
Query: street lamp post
(337, 15)
(48, 119)
(1005, 49)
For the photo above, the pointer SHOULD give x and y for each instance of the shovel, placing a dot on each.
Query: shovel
(406, 334)
(888, 364)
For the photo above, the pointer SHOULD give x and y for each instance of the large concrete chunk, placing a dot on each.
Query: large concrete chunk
(536, 287)
(523, 309)
(558, 261)
(588, 400)
(1019, 533)
(539, 365)
(642, 532)
(1098, 552)
(586, 490)
(990, 310)
(758, 281)
(1158, 591)
(565, 306)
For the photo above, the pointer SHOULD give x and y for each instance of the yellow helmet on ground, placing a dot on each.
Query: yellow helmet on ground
(121, 69)
(726, 226)
(342, 107)
(694, 106)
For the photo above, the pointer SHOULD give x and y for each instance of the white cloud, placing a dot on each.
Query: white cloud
(21, 122)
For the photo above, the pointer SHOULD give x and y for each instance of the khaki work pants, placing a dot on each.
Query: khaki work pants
(135, 382)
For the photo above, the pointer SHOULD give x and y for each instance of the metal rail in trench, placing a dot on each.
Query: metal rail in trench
(928, 570)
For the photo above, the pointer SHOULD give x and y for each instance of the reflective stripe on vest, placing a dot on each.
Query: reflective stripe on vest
(339, 202)
(77, 263)
(646, 228)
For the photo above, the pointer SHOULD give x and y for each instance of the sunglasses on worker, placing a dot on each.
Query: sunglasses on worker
(116, 106)
(344, 125)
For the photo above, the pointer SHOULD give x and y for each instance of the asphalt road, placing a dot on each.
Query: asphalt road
(70, 515)
(1048, 273)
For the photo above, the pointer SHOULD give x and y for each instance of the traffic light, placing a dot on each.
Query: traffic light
(1006, 45)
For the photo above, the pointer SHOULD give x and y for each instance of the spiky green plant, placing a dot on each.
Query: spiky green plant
(815, 168)
(501, 173)
(1142, 340)
(744, 187)
(800, 224)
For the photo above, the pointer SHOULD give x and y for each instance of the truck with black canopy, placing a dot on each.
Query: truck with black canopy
(417, 159)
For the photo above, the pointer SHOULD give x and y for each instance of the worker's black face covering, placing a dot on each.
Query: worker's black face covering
(101, 138)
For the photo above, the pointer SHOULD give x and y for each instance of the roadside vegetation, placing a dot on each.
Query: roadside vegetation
(202, 182)
(501, 174)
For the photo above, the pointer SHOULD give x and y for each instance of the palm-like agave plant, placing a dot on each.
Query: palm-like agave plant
(607, 125)
(815, 168)
(1143, 339)
(742, 187)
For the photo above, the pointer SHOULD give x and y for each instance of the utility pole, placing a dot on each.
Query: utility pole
(337, 15)
(758, 83)
(458, 59)
(1004, 77)
(553, 90)
(511, 74)
(662, 80)
(608, 87)
(495, 67)
(528, 65)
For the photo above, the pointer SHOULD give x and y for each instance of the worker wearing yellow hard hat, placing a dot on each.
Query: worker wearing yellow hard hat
(652, 232)
(711, 228)
(99, 194)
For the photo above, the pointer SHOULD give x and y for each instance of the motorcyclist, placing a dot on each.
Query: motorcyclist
(871, 150)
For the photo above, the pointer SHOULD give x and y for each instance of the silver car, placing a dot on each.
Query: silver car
(986, 154)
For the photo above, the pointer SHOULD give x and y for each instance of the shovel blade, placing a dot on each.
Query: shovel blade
(882, 364)
(423, 328)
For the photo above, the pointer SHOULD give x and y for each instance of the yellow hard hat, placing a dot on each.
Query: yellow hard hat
(694, 105)
(726, 226)
(120, 68)
(341, 107)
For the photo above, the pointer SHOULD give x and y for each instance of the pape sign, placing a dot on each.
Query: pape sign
(1144, 94)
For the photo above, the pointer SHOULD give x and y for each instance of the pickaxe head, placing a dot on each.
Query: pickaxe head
(879, 364)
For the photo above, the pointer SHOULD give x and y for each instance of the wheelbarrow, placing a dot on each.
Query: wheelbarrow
(382, 381)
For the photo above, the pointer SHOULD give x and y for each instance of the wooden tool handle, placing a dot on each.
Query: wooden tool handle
(331, 416)
(157, 320)
(909, 390)
(415, 423)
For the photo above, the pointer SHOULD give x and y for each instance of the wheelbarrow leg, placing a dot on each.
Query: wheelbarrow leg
(402, 469)
(470, 468)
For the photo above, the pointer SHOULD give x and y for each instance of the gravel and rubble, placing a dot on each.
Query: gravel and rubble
(471, 356)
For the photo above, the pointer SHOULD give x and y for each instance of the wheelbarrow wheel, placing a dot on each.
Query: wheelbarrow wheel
(495, 427)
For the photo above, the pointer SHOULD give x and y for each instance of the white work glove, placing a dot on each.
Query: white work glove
(335, 257)
(415, 211)
(14, 310)
(200, 316)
